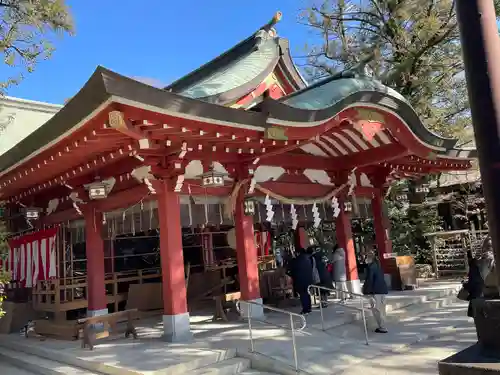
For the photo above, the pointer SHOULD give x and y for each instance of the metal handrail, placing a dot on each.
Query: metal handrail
(292, 325)
(362, 297)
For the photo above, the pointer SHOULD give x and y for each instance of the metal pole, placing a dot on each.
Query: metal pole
(296, 360)
(363, 315)
(481, 53)
(321, 309)
(249, 314)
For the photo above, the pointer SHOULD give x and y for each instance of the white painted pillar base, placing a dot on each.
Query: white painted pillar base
(176, 328)
(91, 313)
(354, 286)
(256, 311)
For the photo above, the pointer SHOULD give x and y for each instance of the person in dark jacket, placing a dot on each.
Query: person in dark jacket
(376, 287)
(324, 276)
(475, 282)
(301, 272)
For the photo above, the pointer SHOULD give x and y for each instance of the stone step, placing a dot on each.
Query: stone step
(414, 316)
(39, 366)
(256, 372)
(398, 307)
(231, 366)
(94, 365)
(9, 369)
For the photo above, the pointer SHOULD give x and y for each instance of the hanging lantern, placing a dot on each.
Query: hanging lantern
(347, 206)
(422, 189)
(97, 191)
(32, 213)
(212, 178)
(249, 207)
(402, 198)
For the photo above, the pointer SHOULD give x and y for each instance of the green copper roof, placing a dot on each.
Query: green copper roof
(239, 72)
(330, 93)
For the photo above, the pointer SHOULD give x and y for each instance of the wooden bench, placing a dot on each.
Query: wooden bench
(109, 322)
(224, 303)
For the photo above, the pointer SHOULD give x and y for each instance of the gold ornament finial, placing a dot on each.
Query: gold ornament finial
(277, 17)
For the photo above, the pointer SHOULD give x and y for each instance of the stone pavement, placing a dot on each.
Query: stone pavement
(6, 369)
(421, 358)
(320, 352)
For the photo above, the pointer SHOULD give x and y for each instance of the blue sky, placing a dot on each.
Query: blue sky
(158, 39)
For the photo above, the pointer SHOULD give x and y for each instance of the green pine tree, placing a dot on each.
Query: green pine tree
(26, 33)
(412, 46)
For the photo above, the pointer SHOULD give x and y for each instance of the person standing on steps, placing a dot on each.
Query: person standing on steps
(322, 273)
(376, 287)
(475, 282)
(302, 275)
(340, 273)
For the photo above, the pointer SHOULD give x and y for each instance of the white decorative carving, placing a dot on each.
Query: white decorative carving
(318, 176)
(364, 180)
(53, 203)
(6, 120)
(265, 173)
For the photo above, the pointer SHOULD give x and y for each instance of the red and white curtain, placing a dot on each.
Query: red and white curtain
(263, 243)
(33, 257)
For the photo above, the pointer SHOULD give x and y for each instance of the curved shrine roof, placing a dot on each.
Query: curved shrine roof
(239, 70)
(345, 121)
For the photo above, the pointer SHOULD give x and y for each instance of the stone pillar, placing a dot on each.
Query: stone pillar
(246, 253)
(380, 225)
(176, 325)
(94, 249)
(345, 241)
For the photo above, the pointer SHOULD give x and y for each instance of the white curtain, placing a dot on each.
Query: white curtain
(53, 259)
(9, 261)
(43, 250)
(34, 246)
(23, 262)
(29, 266)
(16, 264)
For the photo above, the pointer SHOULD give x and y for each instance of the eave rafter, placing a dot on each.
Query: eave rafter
(76, 175)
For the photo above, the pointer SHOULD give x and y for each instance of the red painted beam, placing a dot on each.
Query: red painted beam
(61, 217)
(124, 199)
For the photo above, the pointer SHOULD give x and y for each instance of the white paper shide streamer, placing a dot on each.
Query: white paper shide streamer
(335, 207)
(269, 209)
(316, 216)
(352, 182)
(295, 220)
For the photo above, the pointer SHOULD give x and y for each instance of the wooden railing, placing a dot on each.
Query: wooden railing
(60, 295)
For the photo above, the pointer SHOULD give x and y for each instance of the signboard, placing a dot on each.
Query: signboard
(276, 133)
(390, 255)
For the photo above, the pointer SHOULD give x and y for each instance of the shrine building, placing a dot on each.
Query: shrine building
(129, 183)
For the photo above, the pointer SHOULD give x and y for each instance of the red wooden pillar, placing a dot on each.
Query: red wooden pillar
(345, 241)
(301, 238)
(175, 310)
(246, 254)
(384, 244)
(94, 249)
